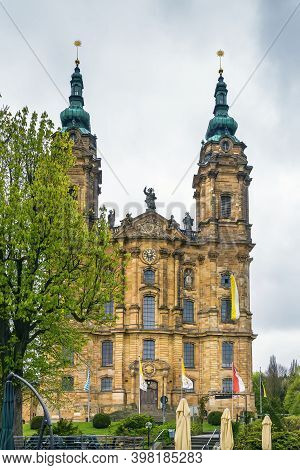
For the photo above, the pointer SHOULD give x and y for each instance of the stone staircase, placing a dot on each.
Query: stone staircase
(199, 441)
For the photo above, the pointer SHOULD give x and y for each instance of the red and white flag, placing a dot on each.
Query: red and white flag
(238, 385)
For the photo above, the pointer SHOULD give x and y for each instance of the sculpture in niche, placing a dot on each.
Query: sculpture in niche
(150, 198)
(188, 278)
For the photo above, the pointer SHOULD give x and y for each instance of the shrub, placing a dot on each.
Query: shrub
(134, 425)
(101, 420)
(250, 438)
(65, 427)
(292, 423)
(196, 427)
(214, 418)
(36, 422)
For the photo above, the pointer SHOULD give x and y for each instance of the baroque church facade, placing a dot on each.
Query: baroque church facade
(177, 282)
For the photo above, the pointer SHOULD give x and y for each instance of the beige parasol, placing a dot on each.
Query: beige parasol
(266, 438)
(183, 426)
(226, 436)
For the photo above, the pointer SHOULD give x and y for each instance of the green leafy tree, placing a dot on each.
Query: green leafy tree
(292, 398)
(56, 273)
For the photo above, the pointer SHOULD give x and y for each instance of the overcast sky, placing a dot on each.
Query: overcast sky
(150, 69)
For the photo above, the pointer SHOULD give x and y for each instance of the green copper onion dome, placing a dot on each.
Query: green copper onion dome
(75, 115)
(221, 125)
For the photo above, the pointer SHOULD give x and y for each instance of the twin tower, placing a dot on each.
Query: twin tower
(177, 300)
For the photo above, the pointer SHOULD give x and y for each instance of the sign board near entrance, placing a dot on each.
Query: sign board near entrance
(164, 400)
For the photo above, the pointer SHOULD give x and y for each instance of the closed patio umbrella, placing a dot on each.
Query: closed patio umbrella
(266, 437)
(7, 421)
(183, 426)
(226, 436)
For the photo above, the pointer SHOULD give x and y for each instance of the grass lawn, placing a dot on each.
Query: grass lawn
(87, 428)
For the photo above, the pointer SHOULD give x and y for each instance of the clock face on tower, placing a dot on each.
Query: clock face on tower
(149, 255)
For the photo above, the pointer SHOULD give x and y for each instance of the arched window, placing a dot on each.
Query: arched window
(106, 384)
(109, 308)
(188, 311)
(188, 355)
(225, 280)
(227, 354)
(225, 310)
(149, 312)
(225, 206)
(227, 385)
(221, 98)
(67, 383)
(149, 349)
(149, 276)
(107, 353)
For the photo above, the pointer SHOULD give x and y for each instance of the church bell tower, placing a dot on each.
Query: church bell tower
(222, 218)
(86, 175)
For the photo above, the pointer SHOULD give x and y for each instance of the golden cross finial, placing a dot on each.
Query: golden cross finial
(220, 54)
(77, 44)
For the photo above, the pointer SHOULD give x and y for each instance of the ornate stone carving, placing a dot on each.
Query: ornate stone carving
(201, 259)
(151, 226)
(213, 255)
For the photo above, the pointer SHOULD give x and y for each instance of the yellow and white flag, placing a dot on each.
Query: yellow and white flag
(187, 383)
(143, 383)
(235, 303)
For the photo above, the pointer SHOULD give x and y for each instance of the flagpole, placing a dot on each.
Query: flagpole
(232, 392)
(139, 385)
(89, 404)
(260, 395)
(181, 363)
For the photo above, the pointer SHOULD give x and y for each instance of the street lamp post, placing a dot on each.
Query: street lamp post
(148, 426)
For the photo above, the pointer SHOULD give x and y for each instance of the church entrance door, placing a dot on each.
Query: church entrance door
(149, 399)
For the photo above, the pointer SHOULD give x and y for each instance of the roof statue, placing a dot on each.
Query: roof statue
(111, 218)
(150, 199)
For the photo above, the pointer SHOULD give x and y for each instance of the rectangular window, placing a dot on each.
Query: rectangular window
(226, 311)
(225, 206)
(107, 353)
(67, 384)
(188, 311)
(149, 312)
(227, 385)
(68, 357)
(106, 384)
(188, 355)
(227, 354)
(109, 308)
(149, 349)
(149, 277)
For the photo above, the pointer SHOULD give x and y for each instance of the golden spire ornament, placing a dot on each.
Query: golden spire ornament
(77, 44)
(220, 54)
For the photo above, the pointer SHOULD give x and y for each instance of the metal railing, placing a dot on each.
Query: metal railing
(206, 446)
(81, 442)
